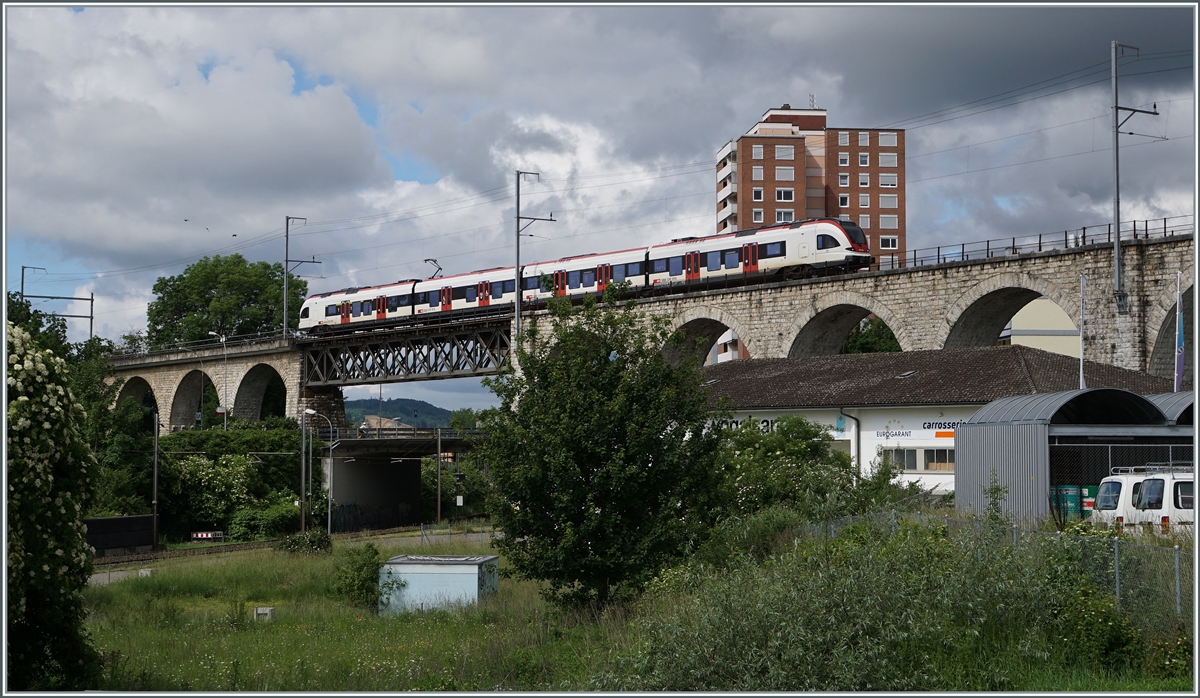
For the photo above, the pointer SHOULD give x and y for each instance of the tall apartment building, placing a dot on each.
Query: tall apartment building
(791, 166)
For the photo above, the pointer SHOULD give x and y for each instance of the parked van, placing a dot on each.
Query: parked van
(1155, 493)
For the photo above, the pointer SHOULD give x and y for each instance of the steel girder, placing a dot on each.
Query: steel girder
(411, 354)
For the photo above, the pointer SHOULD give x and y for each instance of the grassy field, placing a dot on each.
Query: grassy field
(188, 627)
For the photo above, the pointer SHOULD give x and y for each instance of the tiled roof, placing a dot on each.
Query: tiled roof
(949, 376)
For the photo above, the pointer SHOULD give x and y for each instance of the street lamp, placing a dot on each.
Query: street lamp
(328, 499)
(224, 380)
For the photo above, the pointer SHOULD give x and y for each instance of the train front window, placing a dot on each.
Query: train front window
(331, 310)
(731, 259)
(304, 312)
(1108, 496)
(676, 265)
(826, 242)
(855, 233)
(714, 261)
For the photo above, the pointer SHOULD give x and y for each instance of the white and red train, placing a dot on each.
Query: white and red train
(802, 247)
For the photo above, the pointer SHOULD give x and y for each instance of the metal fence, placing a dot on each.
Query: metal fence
(1154, 584)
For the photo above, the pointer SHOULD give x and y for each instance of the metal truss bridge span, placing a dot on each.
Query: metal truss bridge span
(471, 347)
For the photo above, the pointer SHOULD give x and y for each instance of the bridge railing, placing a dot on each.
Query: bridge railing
(431, 433)
(1041, 242)
(197, 345)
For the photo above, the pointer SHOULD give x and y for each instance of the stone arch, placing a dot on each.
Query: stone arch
(1161, 314)
(248, 400)
(822, 327)
(187, 399)
(139, 389)
(702, 326)
(980, 314)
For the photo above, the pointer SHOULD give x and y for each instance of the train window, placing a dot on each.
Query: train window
(368, 307)
(470, 294)
(771, 249)
(397, 302)
(634, 269)
(658, 266)
(420, 298)
(676, 265)
(731, 259)
(530, 283)
(331, 310)
(497, 289)
(855, 233)
(510, 286)
(618, 272)
(714, 261)
(304, 312)
(573, 279)
(356, 308)
(826, 242)
(435, 299)
(589, 278)
(459, 293)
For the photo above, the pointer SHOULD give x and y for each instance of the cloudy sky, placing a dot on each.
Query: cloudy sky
(139, 139)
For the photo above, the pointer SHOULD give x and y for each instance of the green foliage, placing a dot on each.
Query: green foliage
(602, 453)
(314, 540)
(268, 519)
(475, 486)
(210, 491)
(1170, 656)
(415, 413)
(871, 335)
(757, 536)
(1098, 633)
(357, 577)
(226, 295)
(45, 331)
(49, 474)
(464, 419)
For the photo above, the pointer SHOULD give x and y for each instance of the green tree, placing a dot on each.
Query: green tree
(467, 477)
(45, 330)
(871, 335)
(601, 453)
(50, 470)
(226, 295)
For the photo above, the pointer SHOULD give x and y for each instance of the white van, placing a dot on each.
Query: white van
(1126, 498)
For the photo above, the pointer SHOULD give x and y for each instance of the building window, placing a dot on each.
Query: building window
(887, 160)
(887, 139)
(756, 152)
(785, 152)
(864, 160)
(888, 261)
(756, 194)
(864, 221)
(756, 173)
(889, 242)
(889, 222)
(844, 200)
(844, 179)
(864, 201)
(889, 201)
(889, 180)
(864, 179)
(864, 138)
(756, 215)
(844, 159)
(939, 459)
(901, 458)
(785, 194)
(843, 138)
(785, 174)
(784, 215)
(844, 217)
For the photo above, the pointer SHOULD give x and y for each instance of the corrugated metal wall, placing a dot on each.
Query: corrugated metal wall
(1019, 454)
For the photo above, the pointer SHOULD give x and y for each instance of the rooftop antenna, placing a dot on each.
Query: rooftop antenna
(434, 262)
(812, 101)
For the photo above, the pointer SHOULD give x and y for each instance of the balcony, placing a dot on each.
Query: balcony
(727, 170)
(726, 212)
(726, 191)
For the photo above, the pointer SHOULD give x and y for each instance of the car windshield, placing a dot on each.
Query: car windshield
(1106, 499)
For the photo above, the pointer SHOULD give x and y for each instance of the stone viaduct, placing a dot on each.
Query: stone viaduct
(948, 305)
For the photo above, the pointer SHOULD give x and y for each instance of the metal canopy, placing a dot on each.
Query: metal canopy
(1095, 406)
(1177, 407)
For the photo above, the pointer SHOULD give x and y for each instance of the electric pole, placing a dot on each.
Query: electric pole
(531, 219)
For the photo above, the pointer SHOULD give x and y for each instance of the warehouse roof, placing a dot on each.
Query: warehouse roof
(1091, 406)
(976, 375)
(1178, 407)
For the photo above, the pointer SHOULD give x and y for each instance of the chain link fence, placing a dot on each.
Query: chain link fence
(1154, 584)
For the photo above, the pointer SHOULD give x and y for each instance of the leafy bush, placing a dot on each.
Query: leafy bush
(1170, 656)
(356, 578)
(211, 491)
(313, 540)
(267, 520)
(756, 536)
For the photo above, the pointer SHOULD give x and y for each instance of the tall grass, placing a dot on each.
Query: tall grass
(189, 627)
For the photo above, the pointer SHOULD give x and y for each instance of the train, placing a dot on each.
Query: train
(800, 248)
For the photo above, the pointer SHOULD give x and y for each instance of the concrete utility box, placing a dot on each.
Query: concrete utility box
(437, 581)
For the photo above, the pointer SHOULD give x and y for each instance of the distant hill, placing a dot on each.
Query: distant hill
(417, 413)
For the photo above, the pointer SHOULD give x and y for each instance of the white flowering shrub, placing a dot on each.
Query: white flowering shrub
(213, 491)
(50, 468)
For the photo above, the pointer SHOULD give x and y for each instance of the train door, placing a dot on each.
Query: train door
(381, 308)
(603, 277)
(749, 257)
(560, 283)
(446, 297)
(484, 293)
(344, 311)
(691, 266)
